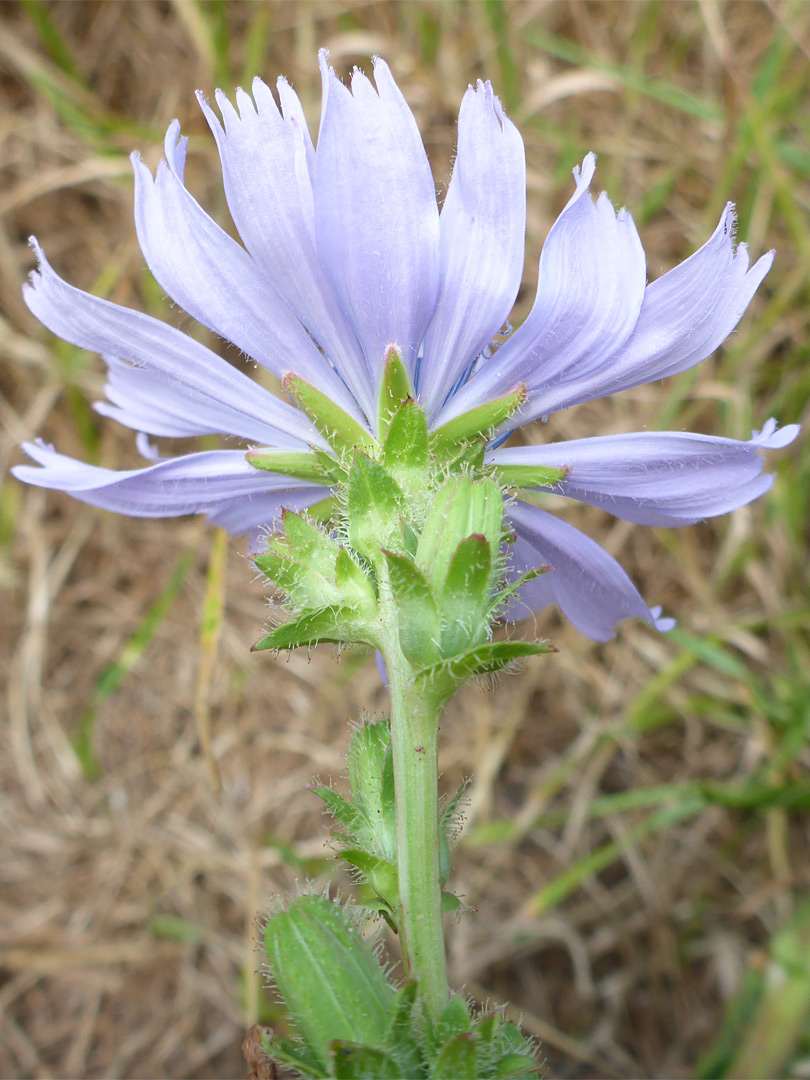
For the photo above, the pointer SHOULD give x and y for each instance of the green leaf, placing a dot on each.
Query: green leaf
(410, 538)
(503, 1043)
(371, 776)
(403, 1007)
(301, 464)
(331, 467)
(327, 975)
(51, 37)
(626, 75)
(448, 827)
(462, 506)
(367, 753)
(386, 822)
(487, 1026)
(405, 450)
(452, 815)
(342, 432)
(379, 873)
(455, 1020)
(482, 660)
(313, 571)
(354, 585)
(351, 1061)
(306, 543)
(400, 1038)
(395, 387)
(493, 1040)
(305, 587)
(323, 511)
(470, 460)
(419, 624)
(502, 596)
(450, 903)
(457, 1060)
(776, 1032)
(374, 506)
(516, 1067)
(344, 812)
(332, 624)
(480, 421)
(466, 597)
(297, 1055)
(376, 904)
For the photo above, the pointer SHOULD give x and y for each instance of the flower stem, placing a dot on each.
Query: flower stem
(415, 738)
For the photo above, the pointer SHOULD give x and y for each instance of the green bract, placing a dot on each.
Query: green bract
(414, 545)
(478, 423)
(340, 430)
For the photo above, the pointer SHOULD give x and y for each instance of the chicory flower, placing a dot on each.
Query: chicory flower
(346, 254)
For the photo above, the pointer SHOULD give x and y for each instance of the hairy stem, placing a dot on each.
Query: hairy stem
(414, 740)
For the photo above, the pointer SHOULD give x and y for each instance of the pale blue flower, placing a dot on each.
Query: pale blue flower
(345, 253)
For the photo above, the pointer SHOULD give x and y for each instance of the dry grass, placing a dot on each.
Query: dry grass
(128, 901)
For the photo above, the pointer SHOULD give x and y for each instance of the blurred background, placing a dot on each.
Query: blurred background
(636, 847)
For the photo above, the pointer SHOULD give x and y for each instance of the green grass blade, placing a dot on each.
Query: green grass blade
(114, 675)
(210, 631)
(52, 41)
(564, 884)
(663, 92)
(767, 1022)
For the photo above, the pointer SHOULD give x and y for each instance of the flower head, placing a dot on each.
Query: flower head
(346, 255)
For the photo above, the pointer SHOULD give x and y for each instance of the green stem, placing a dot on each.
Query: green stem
(414, 740)
(415, 744)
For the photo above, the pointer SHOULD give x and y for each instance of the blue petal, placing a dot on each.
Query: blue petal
(168, 355)
(687, 313)
(215, 280)
(218, 483)
(658, 478)
(591, 285)
(483, 224)
(376, 219)
(591, 589)
(266, 160)
(148, 402)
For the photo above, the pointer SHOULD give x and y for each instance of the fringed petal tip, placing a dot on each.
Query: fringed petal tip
(663, 625)
(146, 448)
(773, 437)
(583, 174)
(54, 470)
(37, 449)
(725, 236)
(483, 96)
(325, 67)
(33, 289)
(727, 225)
(35, 246)
(494, 102)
